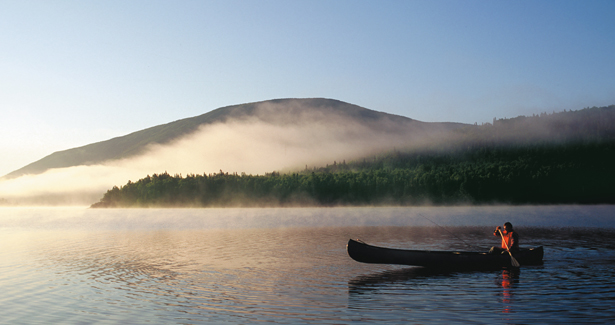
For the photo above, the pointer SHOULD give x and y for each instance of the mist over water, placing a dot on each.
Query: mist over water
(245, 218)
(203, 266)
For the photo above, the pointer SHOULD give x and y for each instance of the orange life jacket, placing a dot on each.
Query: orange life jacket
(511, 239)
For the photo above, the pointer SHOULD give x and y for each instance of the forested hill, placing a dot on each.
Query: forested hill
(585, 125)
(560, 158)
(275, 112)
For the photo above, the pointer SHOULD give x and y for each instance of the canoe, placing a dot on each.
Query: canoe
(362, 252)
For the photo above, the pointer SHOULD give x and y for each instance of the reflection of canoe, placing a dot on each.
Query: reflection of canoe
(362, 252)
(406, 274)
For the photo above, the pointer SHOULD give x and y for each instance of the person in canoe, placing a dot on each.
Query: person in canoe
(510, 239)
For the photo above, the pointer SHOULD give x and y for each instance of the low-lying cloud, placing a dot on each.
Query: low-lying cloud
(248, 146)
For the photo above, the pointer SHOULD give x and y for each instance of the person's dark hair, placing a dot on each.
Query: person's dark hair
(508, 224)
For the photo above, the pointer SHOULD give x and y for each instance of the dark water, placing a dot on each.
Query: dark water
(243, 266)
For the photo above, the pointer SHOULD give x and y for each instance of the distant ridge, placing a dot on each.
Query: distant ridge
(278, 111)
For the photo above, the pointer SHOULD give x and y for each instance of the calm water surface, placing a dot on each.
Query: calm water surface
(240, 266)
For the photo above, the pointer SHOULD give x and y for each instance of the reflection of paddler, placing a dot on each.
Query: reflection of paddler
(509, 279)
(510, 239)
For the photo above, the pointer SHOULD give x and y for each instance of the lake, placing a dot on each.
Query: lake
(289, 265)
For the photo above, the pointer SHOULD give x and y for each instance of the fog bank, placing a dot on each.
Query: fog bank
(248, 145)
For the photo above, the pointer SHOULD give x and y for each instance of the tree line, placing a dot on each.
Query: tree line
(544, 174)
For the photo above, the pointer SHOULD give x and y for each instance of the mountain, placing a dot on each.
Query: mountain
(274, 112)
(559, 158)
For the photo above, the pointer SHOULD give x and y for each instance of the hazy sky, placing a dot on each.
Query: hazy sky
(77, 72)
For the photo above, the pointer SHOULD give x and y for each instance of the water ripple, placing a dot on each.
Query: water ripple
(294, 275)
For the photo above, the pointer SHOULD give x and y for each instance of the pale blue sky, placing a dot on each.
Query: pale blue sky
(76, 72)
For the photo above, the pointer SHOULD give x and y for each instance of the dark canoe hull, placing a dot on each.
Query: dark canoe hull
(362, 252)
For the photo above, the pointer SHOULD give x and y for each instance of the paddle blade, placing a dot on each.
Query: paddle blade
(513, 261)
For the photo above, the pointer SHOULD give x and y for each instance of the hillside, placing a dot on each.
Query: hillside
(560, 158)
(275, 112)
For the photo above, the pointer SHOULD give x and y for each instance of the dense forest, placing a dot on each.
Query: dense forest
(559, 158)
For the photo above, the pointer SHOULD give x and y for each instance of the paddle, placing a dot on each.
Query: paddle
(513, 261)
